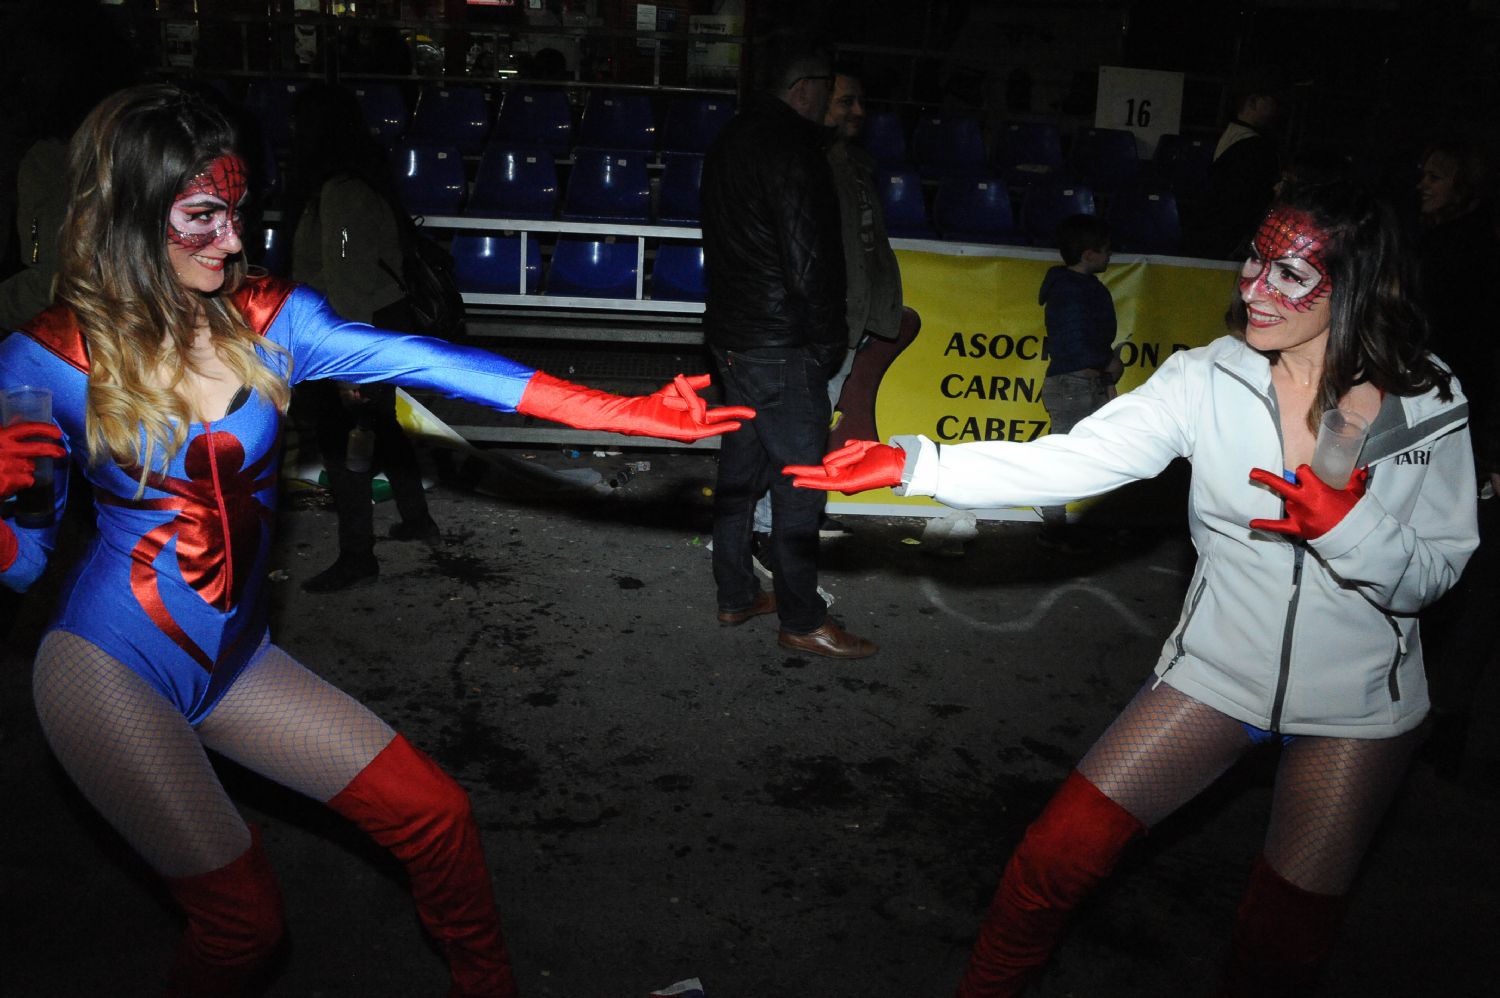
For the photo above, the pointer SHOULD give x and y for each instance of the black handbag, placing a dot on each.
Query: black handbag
(427, 279)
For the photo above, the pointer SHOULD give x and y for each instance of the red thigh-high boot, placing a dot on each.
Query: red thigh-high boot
(1071, 847)
(234, 922)
(407, 804)
(1282, 935)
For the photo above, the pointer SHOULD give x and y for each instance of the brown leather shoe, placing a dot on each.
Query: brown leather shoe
(764, 602)
(830, 640)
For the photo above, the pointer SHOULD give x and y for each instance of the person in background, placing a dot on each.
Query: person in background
(347, 244)
(170, 370)
(1245, 168)
(1300, 624)
(1080, 321)
(872, 276)
(775, 323)
(1459, 253)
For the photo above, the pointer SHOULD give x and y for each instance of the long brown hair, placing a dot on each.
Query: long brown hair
(1377, 332)
(128, 162)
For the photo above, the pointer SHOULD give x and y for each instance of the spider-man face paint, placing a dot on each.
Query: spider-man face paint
(1285, 285)
(1286, 262)
(209, 209)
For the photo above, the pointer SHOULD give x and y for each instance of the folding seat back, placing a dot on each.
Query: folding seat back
(1028, 151)
(536, 117)
(492, 264)
(617, 120)
(1143, 221)
(677, 195)
(430, 178)
(902, 199)
(1104, 158)
(944, 145)
(975, 210)
(270, 101)
(692, 121)
(384, 109)
(452, 116)
(592, 268)
(884, 138)
(608, 185)
(514, 183)
(1046, 204)
(678, 273)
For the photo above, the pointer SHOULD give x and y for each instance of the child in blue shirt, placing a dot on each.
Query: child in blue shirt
(1080, 318)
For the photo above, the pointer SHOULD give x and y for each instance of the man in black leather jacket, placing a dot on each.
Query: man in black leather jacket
(776, 324)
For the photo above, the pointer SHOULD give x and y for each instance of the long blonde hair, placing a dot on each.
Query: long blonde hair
(127, 163)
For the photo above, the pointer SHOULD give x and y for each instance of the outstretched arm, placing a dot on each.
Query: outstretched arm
(676, 411)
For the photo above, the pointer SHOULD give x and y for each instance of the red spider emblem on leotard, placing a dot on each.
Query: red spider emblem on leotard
(218, 528)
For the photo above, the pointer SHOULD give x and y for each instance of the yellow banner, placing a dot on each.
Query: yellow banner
(975, 370)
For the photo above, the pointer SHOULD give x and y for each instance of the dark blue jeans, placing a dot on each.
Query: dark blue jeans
(788, 388)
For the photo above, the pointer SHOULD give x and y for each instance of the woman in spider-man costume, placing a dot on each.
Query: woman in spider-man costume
(170, 370)
(1300, 624)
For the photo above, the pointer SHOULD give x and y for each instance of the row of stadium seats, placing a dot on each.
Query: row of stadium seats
(978, 210)
(539, 117)
(942, 146)
(579, 266)
(614, 186)
(604, 185)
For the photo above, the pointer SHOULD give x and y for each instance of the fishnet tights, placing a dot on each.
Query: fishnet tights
(1165, 748)
(138, 761)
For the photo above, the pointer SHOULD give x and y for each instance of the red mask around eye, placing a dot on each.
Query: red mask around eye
(208, 209)
(1287, 263)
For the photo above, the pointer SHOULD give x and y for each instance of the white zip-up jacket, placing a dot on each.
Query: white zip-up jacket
(1317, 637)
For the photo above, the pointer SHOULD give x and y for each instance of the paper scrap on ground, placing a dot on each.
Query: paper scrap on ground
(690, 988)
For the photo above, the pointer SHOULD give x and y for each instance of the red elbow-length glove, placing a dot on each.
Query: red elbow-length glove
(676, 411)
(857, 466)
(1312, 507)
(20, 445)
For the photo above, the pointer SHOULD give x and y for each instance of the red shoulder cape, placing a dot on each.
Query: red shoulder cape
(259, 300)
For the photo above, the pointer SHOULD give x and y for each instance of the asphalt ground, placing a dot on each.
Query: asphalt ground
(662, 798)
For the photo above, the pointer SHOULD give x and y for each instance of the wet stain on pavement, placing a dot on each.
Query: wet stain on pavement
(946, 709)
(1050, 753)
(541, 699)
(626, 582)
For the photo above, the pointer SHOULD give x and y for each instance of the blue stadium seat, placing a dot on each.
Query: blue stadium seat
(271, 103)
(451, 116)
(592, 268)
(1045, 204)
(1142, 221)
(1103, 158)
(901, 198)
(514, 183)
(430, 178)
(693, 120)
(678, 273)
(944, 145)
(536, 116)
(492, 264)
(385, 110)
(608, 185)
(1182, 164)
(617, 120)
(272, 251)
(885, 138)
(975, 210)
(677, 195)
(1028, 151)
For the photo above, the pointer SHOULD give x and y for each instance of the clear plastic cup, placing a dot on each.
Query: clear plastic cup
(1341, 436)
(25, 404)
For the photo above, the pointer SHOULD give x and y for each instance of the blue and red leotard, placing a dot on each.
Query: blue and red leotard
(174, 585)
